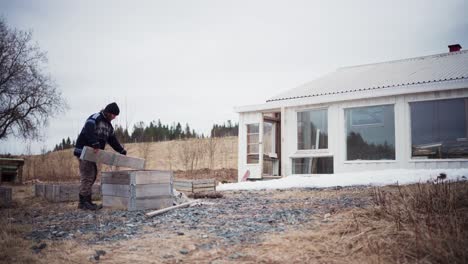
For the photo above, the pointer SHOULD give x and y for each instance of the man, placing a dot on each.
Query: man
(96, 132)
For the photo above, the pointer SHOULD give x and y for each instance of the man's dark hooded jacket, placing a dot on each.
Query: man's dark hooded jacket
(96, 132)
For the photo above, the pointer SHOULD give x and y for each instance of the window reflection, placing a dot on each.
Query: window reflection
(312, 129)
(370, 133)
(439, 129)
(322, 165)
(252, 143)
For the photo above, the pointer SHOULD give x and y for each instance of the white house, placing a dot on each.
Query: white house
(410, 114)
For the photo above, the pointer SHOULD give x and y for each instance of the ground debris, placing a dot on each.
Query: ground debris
(206, 195)
(237, 217)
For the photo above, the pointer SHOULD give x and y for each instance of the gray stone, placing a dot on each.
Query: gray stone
(184, 251)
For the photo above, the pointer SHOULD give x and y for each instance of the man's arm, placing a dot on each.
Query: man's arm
(115, 144)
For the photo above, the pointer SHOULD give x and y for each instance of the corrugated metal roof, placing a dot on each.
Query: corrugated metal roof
(407, 72)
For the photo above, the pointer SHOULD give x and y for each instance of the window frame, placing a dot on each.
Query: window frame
(305, 152)
(345, 132)
(249, 144)
(311, 157)
(410, 157)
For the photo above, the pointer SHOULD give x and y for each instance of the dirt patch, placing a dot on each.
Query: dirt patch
(333, 225)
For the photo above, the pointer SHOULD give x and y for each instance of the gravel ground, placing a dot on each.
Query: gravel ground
(238, 217)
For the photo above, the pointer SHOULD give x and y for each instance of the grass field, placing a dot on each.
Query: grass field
(190, 158)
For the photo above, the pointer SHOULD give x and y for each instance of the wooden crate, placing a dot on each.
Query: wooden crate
(192, 186)
(62, 192)
(5, 196)
(137, 189)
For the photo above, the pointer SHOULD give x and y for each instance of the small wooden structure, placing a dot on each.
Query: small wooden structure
(5, 196)
(62, 192)
(193, 186)
(112, 158)
(137, 189)
(11, 170)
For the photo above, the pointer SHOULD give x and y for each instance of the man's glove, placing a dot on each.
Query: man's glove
(123, 152)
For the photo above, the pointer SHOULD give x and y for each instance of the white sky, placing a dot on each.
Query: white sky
(193, 61)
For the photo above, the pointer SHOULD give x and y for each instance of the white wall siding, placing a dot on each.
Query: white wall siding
(337, 134)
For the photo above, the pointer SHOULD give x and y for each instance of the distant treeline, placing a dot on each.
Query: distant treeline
(156, 131)
(65, 144)
(225, 130)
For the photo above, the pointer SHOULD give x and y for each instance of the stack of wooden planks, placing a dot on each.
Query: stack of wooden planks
(137, 189)
(193, 186)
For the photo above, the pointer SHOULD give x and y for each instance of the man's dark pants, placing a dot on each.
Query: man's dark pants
(88, 172)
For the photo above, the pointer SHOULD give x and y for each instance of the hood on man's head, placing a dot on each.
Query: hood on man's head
(112, 108)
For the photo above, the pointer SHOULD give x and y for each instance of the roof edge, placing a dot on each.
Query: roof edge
(356, 95)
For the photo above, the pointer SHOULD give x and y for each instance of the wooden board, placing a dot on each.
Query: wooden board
(6, 197)
(154, 176)
(115, 177)
(136, 177)
(126, 203)
(138, 191)
(120, 190)
(203, 185)
(112, 158)
(148, 190)
(39, 190)
(62, 192)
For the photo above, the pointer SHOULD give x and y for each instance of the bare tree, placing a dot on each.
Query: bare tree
(28, 96)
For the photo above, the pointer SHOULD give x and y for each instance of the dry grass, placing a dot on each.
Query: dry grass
(12, 245)
(422, 223)
(429, 222)
(190, 156)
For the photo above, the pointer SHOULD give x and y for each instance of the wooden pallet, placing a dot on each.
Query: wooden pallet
(137, 190)
(192, 186)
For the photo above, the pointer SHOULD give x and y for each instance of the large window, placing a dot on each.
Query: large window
(319, 165)
(252, 143)
(312, 129)
(439, 129)
(370, 133)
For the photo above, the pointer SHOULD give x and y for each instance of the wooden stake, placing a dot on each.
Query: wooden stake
(161, 211)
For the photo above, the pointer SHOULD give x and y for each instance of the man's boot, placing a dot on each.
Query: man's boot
(81, 202)
(85, 204)
(98, 206)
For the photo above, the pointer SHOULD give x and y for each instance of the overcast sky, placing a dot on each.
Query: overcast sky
(193, 61)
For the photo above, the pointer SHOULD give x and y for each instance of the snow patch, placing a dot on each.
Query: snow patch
(373, 178)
